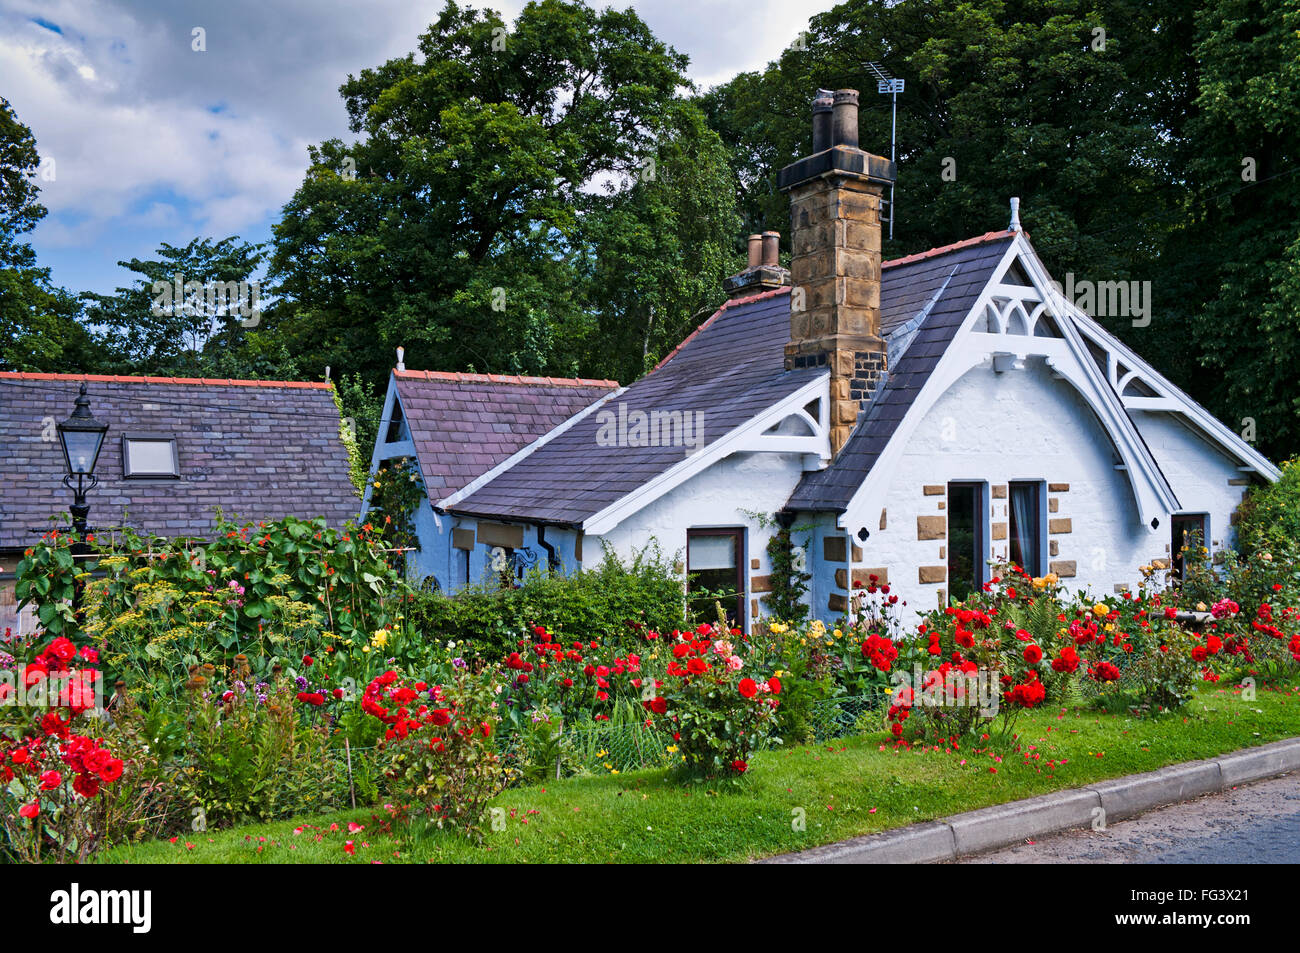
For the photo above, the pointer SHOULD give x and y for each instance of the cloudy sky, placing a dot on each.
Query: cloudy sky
(146, 140)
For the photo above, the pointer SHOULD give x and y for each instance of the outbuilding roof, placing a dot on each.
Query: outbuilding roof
(721, 376)
(463, 425)
(258, 450)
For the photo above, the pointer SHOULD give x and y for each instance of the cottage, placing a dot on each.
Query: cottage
(911, 420)
(176, 451)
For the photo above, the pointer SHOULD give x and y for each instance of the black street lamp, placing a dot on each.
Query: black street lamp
(81, 436)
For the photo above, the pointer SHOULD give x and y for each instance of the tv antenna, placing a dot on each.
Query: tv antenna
(891, 86)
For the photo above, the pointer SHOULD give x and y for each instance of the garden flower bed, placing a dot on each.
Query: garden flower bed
(274, 674)
(843, 789)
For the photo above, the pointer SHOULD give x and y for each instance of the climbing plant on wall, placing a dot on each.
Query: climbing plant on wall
(396, 493)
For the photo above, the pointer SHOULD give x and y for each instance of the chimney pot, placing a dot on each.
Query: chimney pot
(771, 248)
(844, 118)
(823, 103)
(755, 250)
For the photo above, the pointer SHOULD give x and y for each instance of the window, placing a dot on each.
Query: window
(397, 431)
(966, 535)
(149, 456)
(714, 562)
(1025, 513)
(1189, 530)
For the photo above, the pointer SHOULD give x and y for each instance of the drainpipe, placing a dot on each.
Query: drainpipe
(552, 560)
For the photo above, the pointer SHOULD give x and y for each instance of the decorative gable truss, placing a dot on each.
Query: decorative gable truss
(1019, 316)
(1141, 387)
(798, 424)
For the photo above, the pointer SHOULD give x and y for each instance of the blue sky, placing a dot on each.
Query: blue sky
(146, 140)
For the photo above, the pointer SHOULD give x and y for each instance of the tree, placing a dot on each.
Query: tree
(192, 312)
(38, 321)
(454, 227)
(659, 249)
(1232, 281)
(1003, 97)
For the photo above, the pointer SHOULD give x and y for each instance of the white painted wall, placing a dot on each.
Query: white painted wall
(1026, 425)
(1198, 470)
(759, 483)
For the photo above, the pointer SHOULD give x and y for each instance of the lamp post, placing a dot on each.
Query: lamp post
(81, 436)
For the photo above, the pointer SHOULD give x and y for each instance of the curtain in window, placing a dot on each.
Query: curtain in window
(1024, 526)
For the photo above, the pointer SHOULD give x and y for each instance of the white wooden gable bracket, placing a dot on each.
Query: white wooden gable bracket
(1129, 374)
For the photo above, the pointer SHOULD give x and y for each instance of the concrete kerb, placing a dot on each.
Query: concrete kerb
(1006, 824)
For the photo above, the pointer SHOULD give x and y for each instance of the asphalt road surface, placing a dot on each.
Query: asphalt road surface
(1254, 824)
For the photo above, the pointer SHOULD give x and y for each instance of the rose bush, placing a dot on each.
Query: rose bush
(439, 749)
(717, 706)
(53, 764)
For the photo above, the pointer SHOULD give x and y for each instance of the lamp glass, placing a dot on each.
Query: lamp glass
(80, 448)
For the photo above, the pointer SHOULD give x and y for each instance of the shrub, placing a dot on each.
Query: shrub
(608, 603)
(438, 750)
(718, 706)
(1270, 514)
(274, 593)
(51, 776)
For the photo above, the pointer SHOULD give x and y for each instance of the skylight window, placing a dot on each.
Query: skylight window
(149, 456)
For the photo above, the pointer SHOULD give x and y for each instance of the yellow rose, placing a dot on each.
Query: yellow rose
(1101, 610)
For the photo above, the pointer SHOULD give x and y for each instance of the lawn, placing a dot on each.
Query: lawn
(840, 790)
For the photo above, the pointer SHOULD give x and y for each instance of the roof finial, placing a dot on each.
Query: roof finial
(1015, 215)
(401, 358)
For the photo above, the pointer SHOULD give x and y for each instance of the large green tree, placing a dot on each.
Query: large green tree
(1047, 100)
(459, 225)
(39, 330)
(1230, 286)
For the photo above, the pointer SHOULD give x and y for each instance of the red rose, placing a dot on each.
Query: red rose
(95, 761)
(87, 785)
(740, 766)
(774, 685)
(51, 780)
(440, 716)
(1033, 654)
(659, 705)
(111, 771)
(747, 687)
(30, 811)
(62, 649)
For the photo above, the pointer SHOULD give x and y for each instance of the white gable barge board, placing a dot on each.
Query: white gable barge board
(383, 450)
(748, 436)
(1172, 398)
(1154, 496)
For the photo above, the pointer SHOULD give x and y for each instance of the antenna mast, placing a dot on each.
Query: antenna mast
(888, 85)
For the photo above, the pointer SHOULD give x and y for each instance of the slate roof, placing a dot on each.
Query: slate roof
(945, 280)
(729, 370)
(463, 425)
(259, 450)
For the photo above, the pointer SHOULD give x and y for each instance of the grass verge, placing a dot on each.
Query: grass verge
(843, 789)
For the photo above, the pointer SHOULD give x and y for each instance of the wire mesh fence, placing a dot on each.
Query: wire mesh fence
(847, 716)
(632, 746)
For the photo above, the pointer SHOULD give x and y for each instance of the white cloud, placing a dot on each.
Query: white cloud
(150, 137)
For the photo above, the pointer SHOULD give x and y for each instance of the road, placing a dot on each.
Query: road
(1254, 824)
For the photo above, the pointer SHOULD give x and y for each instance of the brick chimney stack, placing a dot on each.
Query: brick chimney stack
(835, 202)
